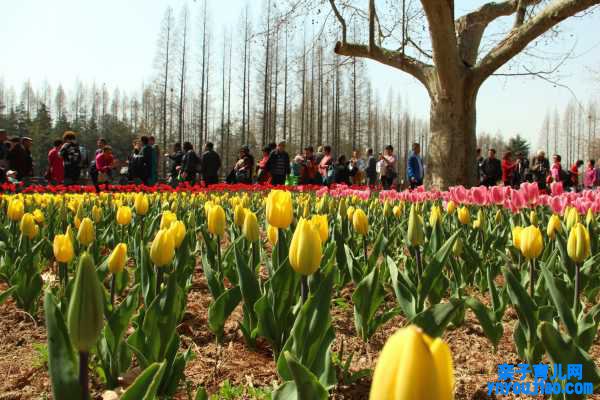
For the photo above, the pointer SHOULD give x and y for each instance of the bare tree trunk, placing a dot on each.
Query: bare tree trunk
(182, 77)
(266, 99)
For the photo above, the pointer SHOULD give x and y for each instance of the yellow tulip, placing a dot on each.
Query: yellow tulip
(499, 217)
(178, 231)
(38, 216)
(450, 207)
(117, 259)
(397, 211)
(343, 208)
(578, 246)
(16, 209)
(87, 232)
(250, 228)
(464, 216)
(589, 218)
(322, 225)
(162, 250)
(387, 209)
(572, 218)
(416, 236)
(533, 218)
(141, 204)
(350, 213)
(167, 219)
(434, 215)
(272, 235)
(413, 366)
(96, 214)
(305, 248)
(360, 222)
(239, 214)
(457, 248)
(279, 209)
(28, 227)
(531, 242)
(77, 222)
(123, 215)
(216, 221)
(554, 226)
(63, 248)
(516, 236)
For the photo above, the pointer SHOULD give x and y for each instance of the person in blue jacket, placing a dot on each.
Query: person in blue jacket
(414, 168)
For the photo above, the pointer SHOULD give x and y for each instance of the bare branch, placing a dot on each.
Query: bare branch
(520, 37)
(372, 17)
(340, 19)
(394, 59)
(520, 17)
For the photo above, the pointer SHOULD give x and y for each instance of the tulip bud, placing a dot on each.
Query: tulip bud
(86, 307)
(434, 216)
(533, 218)
(589, 218)
(397, 211)
(239, 215)
(412, 365)
(38, 216)
(28, 227)
(279, 210)
(499, 217)
(578, 246)
(250, 228)
(350, 213)
(272, 235)
(97, 214)
(305, 249)
(117, 259)
(141, 204)
(162, 250)
(360, 222)
(167, 219)
(387, 209)
(415, 235)
(554, 226)
(16, 209)
(343, 208)
(531, 242)
(320, 222)
(516, 236)
(178, 231)
(464, 216)
(457, 248)
(450, 207)
(216, 221)
(87, 232)
(63, 248)
(572, 218)
(123, 215)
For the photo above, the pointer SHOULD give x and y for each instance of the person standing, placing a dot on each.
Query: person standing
(279, 165)
(146, 154)
(342, 172)
(175, 160)
(4, 148)
(56, 169)
(479, 159)
(244, 166)
(189, 165)
(210, 164)
(574, 174)
(508, 169)
(326, 166)
(153, 179)
(309, 169)
(522, 173)
(71, 156)
(389, 173)
(27, 143)
(135, 164)
(540, 167)
(104, 165)
(589, 175)
(415, 170)
(101, 143)
(357, 168)
(491, 169)
(371, 168)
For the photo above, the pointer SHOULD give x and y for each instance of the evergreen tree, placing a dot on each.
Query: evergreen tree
(518, 144)
(43, 138)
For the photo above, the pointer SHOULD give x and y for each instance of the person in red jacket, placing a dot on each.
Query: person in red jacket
(104, 164)
(508, 169)
(56, 168)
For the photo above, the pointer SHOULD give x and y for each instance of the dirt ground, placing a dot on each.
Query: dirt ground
(23, 373)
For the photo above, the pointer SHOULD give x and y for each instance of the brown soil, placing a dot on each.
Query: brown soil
(23, 373)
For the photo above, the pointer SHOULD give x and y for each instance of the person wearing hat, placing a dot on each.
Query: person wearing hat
(210, 163)
(18, 160)
(71, 155)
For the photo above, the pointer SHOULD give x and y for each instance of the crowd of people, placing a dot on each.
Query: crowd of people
(514, 170)
(69, 164)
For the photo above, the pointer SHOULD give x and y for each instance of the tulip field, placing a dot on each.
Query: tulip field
(307, 293)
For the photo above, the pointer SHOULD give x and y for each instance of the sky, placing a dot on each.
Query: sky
(114, 41)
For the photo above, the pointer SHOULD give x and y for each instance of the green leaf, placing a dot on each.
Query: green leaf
(306, 383)
(367, 298)
(524, 305)
(62, 363)
(493, 329)
(4, 295)
(405, 296)
(221, 309)
(434, 320)
(145, 386)
(560, 302)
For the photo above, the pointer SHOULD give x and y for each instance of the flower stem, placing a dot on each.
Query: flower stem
(576, 295)
(83, 375)
(531, 278)
(304, 288)
(113, 284)
(418, 262)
